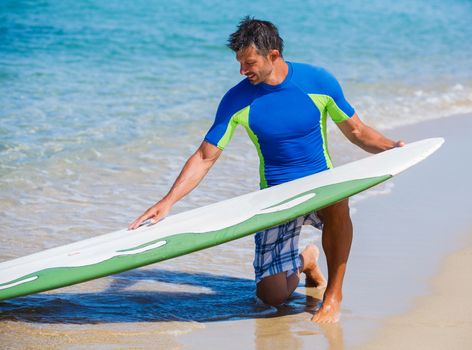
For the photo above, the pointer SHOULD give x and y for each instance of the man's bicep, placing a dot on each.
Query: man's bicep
(351, 127)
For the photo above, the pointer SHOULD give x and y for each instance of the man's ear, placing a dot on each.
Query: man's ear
(273, 55)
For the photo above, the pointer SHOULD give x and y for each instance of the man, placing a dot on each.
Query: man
(283, 107)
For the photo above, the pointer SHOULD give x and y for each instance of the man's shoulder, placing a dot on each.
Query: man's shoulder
(304, 69)
(238, 97)
(243, 92)
(241, 88)
(302, 65)
(311, 78)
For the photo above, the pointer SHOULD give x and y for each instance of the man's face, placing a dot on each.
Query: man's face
(256, 67)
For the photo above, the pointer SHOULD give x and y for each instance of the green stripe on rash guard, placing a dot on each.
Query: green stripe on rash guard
(240, 117)
(336, 113)
(243, 119)
(324, 135)
(223, 142)
(321, 101)
(325, 102)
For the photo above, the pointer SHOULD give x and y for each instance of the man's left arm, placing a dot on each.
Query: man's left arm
(365, 137)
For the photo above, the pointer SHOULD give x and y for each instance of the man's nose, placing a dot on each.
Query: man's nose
(242, 70)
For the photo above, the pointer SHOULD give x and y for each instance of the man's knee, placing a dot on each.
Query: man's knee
(273, 300)
(273, 290)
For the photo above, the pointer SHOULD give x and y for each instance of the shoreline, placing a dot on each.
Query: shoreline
(402, 234)
(441, 315)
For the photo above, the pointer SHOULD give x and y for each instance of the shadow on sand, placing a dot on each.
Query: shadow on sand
(168, 296)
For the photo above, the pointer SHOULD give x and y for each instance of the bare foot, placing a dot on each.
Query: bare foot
(329, 312)
(314, 276)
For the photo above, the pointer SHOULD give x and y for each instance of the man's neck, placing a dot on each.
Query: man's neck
(279, 73)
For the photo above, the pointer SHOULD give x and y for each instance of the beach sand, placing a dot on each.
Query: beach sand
(402, 236)
(442, 317)
(441, 320)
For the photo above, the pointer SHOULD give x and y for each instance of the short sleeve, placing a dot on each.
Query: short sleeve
(222, 130)
(235, 100)
(338, 107)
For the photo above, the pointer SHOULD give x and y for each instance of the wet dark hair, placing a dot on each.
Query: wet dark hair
(262, 34)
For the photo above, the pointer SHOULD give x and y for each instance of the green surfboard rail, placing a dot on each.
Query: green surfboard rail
(184, 243)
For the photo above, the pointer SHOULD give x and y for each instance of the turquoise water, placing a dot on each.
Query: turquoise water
(80, 74)
(102, 102)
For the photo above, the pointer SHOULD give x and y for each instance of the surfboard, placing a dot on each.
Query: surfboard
(203, 227)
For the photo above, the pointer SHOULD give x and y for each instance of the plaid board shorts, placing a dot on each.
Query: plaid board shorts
(277, 247)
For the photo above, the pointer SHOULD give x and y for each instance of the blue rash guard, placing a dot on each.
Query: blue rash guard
(286, 122)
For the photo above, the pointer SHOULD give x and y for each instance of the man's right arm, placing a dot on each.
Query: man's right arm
(194, 170)
(367, 138)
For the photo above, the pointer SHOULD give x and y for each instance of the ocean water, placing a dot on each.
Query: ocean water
(76, 75)
(101, 103)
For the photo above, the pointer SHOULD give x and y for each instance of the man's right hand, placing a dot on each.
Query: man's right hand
(155, 213)
(193, 172)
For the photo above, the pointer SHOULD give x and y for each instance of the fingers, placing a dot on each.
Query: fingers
(400, 143)
(148, 214)
(155, 214)
(136, 223)
(155, 220)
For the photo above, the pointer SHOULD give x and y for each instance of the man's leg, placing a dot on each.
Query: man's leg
(337, 238)
(275, 289)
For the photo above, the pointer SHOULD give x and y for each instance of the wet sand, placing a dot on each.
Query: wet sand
(441, 320)
(402, 235)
